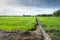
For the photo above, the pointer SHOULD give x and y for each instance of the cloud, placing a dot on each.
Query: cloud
(28, 7)
(27, 11)
(37, 3)
(29, 3)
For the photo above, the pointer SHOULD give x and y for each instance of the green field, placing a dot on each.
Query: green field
(50, 24)
(17, 23)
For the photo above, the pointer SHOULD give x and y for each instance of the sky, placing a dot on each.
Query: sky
(28, 7)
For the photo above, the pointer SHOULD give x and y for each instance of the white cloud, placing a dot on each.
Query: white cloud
(7, 9)
(27, 11)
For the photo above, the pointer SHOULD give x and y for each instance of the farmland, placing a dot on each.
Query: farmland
(50, 24)
(16, 23)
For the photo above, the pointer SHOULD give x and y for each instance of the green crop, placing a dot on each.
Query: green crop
(16, 23)
(52, 26)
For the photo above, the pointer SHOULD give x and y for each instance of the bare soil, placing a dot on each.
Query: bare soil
(21, 35)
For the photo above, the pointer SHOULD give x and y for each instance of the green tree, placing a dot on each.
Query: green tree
(57, 13)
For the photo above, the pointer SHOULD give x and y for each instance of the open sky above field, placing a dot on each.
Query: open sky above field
(29, 7)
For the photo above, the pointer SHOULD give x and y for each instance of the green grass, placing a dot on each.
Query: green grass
(50, 22)
(16, 23)
(51, 26)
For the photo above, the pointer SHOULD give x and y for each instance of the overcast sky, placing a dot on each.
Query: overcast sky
(29, 7)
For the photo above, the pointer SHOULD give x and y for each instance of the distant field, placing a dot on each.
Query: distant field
(51, 26)
(17, 23)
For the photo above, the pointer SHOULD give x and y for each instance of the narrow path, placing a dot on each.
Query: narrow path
(44, 34)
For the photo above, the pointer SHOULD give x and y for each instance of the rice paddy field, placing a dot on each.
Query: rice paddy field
(50, 24)
(16, 23)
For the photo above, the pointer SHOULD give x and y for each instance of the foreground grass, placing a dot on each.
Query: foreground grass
(16, 23)
(51, 26)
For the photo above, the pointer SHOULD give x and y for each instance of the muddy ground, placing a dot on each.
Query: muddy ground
(20, 35)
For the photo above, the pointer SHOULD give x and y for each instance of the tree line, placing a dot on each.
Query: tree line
(56, 13)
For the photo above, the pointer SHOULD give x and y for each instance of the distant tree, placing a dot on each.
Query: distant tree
(57, 13)
(44, 15)
(27, 15)
(48, 15)
(38, 15)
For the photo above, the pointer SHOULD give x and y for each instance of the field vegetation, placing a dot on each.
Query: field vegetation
(16, 23)
(50, 24)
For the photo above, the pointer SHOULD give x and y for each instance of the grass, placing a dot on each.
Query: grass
(16, 23)
(51, 26)
(50, 22)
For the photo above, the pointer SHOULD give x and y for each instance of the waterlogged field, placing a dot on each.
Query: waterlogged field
(16, 23)
(51, 26)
